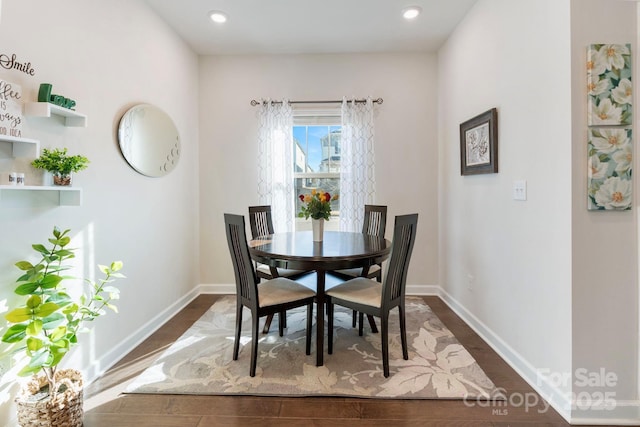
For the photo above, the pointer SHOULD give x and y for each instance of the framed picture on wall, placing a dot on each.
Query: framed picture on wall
(479, 144)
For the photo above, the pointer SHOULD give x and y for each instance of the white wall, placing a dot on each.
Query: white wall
(605, 254)
(550, 285)
(108, 56)
(505, 265)
(405, 129)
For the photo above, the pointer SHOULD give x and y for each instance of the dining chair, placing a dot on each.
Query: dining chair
(367, 296)
(375, 223)
(261, 223)
(273, 296)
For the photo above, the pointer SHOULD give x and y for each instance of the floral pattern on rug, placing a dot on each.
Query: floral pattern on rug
(200, 361)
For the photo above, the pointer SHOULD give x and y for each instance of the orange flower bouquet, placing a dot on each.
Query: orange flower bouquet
(317, 205)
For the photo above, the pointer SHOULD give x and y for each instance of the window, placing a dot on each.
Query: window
(316, 158)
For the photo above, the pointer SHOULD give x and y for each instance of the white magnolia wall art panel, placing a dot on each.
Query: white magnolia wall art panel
(609, 84)
(609, 172)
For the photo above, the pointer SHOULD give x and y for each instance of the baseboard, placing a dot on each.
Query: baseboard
(223, 289)
(100, 366)
(624, 413)
(423, 290)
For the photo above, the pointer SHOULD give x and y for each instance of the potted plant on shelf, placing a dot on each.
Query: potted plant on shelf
(46, 325)
(60, 164)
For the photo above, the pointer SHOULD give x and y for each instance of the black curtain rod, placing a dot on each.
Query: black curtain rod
(375, 101)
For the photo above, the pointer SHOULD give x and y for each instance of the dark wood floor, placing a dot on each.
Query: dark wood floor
(106, 406)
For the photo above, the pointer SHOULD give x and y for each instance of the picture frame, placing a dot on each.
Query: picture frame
(479, 144)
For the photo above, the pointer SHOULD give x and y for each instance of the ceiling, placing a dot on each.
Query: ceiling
(311, 26)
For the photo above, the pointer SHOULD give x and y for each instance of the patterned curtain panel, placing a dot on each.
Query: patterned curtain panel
(357, 169)
(275, 163)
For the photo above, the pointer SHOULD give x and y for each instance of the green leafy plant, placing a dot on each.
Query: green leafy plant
(47, 323)
(317, 205)
(58, 162)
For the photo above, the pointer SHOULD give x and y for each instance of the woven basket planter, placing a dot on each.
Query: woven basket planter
(65, 410)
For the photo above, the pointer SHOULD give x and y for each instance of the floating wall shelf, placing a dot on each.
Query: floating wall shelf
(47, 109)
(68, 196)
(21, 146)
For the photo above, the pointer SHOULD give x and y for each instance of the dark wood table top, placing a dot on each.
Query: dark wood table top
(338, 250)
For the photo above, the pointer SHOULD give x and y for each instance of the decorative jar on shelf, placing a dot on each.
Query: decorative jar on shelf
(60, 179)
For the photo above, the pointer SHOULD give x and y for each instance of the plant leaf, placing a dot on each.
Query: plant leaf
(57, 354)
(64, 253)
(34, 344)
(24, 265)
(58, 333)
(111, 290)
(34, 301)
(41, 249)
(15, 333)
(46, 309)
(52, 321)
(50, 281)
(70, 308)
(34, 327)
(60, 298)
(39, 358)
(27, 371)
(19, 315)
(27, 288)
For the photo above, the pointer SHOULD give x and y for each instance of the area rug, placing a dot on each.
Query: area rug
(200, 361)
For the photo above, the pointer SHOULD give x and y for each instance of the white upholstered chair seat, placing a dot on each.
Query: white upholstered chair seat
(280, 291)
(359, 290)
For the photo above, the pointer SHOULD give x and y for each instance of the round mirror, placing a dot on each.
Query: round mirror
(149, 140)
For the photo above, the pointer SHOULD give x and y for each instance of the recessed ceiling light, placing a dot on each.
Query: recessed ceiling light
(217, 16)
(411, 12)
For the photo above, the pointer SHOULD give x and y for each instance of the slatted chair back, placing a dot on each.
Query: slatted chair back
(246, 280)
(404, 236)
(375, 220)
(260, 220)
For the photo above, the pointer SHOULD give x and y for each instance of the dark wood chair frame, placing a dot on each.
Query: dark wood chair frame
(261, 223)
(393, 289)
(375, 223)
(247, 290)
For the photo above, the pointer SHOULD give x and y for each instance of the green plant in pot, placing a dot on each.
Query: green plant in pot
(60, 164)
(46, 324)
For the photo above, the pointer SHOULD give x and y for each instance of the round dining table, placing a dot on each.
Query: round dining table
(338, 250)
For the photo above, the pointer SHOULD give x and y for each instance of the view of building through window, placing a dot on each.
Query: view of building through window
(317, 166)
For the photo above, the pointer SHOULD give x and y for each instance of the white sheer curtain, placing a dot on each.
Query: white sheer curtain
(275, 163)
(357, 169)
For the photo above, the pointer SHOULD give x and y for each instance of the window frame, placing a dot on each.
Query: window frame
(315, 117)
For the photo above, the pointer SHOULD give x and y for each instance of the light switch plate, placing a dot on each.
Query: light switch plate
(520, 190)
